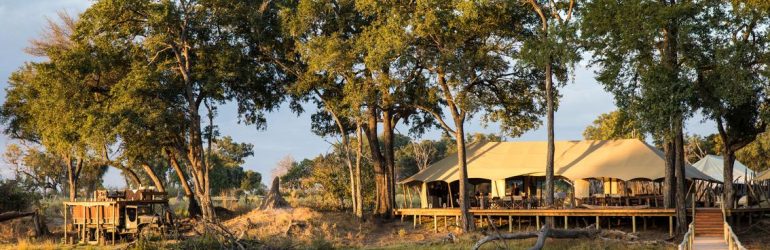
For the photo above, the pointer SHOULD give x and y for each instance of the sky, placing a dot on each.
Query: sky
(288, 133)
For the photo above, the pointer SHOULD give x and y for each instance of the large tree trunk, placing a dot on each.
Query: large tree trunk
(154, 177)
(669, 182)
(359, 210)
(549, 168)
(670, 62)
(465, 216)
(200, 170)
(73, 174)
(131, 176)
(389, 155)
(193, 209)
(728, 159)
(681, 195)
(383, 207)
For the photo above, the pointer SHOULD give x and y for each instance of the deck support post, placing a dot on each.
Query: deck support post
(518, 219)
(65, 225)
(402, 217)
(435, 226)
(633, 224)
(414, 221)
(566, 223)
(446, 218)
(510, 223)
(83, 228)
(671, 226)
(644, 221)
(537, 221)
(99, 225)
(597, 223)
(115, 222)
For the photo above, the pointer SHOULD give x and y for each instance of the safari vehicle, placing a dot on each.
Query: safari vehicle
(114, 214)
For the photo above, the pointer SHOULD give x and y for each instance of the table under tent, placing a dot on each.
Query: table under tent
(510, 175)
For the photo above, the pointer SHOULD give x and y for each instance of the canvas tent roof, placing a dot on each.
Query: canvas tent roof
(712, 166)
(764, 175)
(623, 159)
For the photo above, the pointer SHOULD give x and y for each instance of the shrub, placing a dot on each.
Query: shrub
(14, 198)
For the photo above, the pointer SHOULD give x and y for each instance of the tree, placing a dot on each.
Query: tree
(553, 49)
(465, 49)
(35, 169)
(251, 182)
(226, 160)
(614, 125)
(357, 82)
(644, 68)
(65, 87)
(729, 59)
(193, 54)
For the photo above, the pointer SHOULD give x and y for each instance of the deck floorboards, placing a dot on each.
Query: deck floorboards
(709, 243)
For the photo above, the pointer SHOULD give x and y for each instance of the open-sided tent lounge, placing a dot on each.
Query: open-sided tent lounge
(578, 161)
(713, 166)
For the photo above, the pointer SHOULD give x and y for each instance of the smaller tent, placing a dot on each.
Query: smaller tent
(712, 165)
(764, 175)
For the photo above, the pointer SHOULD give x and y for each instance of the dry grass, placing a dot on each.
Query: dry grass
(303, 228)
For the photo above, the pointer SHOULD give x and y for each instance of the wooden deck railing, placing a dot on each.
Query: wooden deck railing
(689, 237)
(732, 240)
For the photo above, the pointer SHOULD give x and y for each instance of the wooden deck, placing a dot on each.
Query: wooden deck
(435, 213)
(649, 212)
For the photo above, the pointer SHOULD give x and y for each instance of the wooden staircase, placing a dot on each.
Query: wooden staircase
(709, 222)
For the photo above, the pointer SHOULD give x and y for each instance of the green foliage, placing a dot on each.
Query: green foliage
(756, 155)
(614, 125)
(14, 197)
(470, 49)
(643, 74)
(297, 172)
(35, 169)
(252, 182)
(729, 59)
(225, 160)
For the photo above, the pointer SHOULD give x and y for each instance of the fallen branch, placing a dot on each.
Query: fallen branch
(544, 232)
(14, 215)
(38, 221)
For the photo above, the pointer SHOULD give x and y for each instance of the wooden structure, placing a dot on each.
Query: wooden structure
(114, 214)
(481, 215)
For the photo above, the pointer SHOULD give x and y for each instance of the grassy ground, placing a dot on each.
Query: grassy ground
(304, 228)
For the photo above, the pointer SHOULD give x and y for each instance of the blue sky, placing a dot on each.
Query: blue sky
(287, 133)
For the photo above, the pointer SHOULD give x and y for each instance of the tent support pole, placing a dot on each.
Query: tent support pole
(451, 198)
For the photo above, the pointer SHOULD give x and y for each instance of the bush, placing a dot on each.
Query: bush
(14, 198)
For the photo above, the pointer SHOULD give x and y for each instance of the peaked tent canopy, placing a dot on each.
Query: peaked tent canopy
(764, 175)
(628, 159)
(712, 165)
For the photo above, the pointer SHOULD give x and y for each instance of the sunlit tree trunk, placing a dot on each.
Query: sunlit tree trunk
(383, 207)
(154, 177)
(193, 209)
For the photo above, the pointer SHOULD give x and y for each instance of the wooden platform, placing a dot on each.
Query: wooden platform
(418, 213)
(650, 212)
